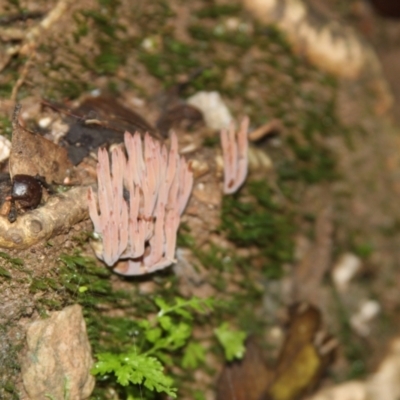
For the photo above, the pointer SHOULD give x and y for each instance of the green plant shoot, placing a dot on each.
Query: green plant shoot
(232, 341)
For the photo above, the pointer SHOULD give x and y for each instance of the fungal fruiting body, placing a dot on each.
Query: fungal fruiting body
(139, 228)
(234, 151)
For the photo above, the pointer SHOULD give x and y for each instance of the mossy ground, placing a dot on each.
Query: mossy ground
(119, 47)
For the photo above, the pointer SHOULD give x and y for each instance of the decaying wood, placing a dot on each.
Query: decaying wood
(59, 214)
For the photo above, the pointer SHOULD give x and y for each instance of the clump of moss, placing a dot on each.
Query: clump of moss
(261, 222)
(313, 163)
(9, 365)
(5, 127)
(218, 10)
(174, 57)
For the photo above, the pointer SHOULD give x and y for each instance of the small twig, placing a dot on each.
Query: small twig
(274, 126)
(9, 19)
(15, 116)
(58, 109)
(22, 76)
(97, 122)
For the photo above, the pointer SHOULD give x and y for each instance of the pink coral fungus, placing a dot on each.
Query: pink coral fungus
(234, 150)
(140, 200)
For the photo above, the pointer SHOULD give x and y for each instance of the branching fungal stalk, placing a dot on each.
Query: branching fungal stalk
(140, 229)
(234, 150)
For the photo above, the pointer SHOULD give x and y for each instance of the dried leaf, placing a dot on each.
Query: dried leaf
(304, 356)
(32, 154)
(246, 379)
(98, 121)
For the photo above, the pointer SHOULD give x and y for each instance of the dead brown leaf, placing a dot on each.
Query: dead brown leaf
(32, 154)
(305, 354)
(245, 379)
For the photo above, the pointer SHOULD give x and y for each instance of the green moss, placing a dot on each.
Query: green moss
(108, 60)
(82, 26)
(8, 263)
(210, 78)
(175, 58)
(314, 163)
(43, 283)
(12, 260)
(108, 3)
(272, 34)
(153, 64)
(353, 348)
(77, 272)
(218, 10)
(215, 258)
(200, 32)
(104, 22)
(4, 273)
(236, 38)
(90, 285)
(69, 89)
(5, 127)
(113, 49)
(211, 141)
(6, 88)
(16, 4)
(9, 363)
(251, 218)
(262, 223)
(110, 333)
(364, 250)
